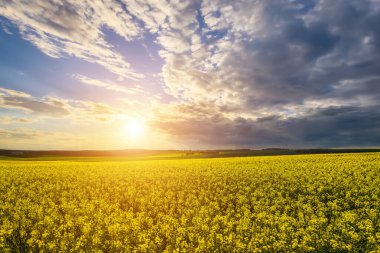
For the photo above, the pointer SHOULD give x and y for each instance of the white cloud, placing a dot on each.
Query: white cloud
(109, 85)
(72, 28)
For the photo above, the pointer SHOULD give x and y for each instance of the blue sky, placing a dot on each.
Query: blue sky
(194, 74)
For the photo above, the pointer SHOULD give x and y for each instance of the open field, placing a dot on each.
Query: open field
(303, 203)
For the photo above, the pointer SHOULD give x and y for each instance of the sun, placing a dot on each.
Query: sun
(135, 128)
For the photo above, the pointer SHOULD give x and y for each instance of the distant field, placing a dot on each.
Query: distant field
(142, 154)
(303, 203)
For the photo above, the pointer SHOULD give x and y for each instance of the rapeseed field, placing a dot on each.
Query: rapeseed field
(304, 203)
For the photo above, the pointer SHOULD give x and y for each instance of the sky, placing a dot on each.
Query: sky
(189, 74)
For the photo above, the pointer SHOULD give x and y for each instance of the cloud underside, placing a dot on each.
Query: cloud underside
(329, 127)
(243, 73)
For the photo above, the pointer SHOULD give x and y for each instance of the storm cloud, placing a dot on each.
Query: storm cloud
(329, 127)
(281, 73)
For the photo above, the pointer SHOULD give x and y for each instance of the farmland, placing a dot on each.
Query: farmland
(300, 203)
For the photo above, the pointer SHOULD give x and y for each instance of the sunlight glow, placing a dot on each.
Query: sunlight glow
(135, 128)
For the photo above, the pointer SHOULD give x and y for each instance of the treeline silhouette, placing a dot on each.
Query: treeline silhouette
(176, 153)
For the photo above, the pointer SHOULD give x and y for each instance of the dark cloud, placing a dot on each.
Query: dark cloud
(279, 53)
(303, 59)
(329, 127)
(286, 73)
